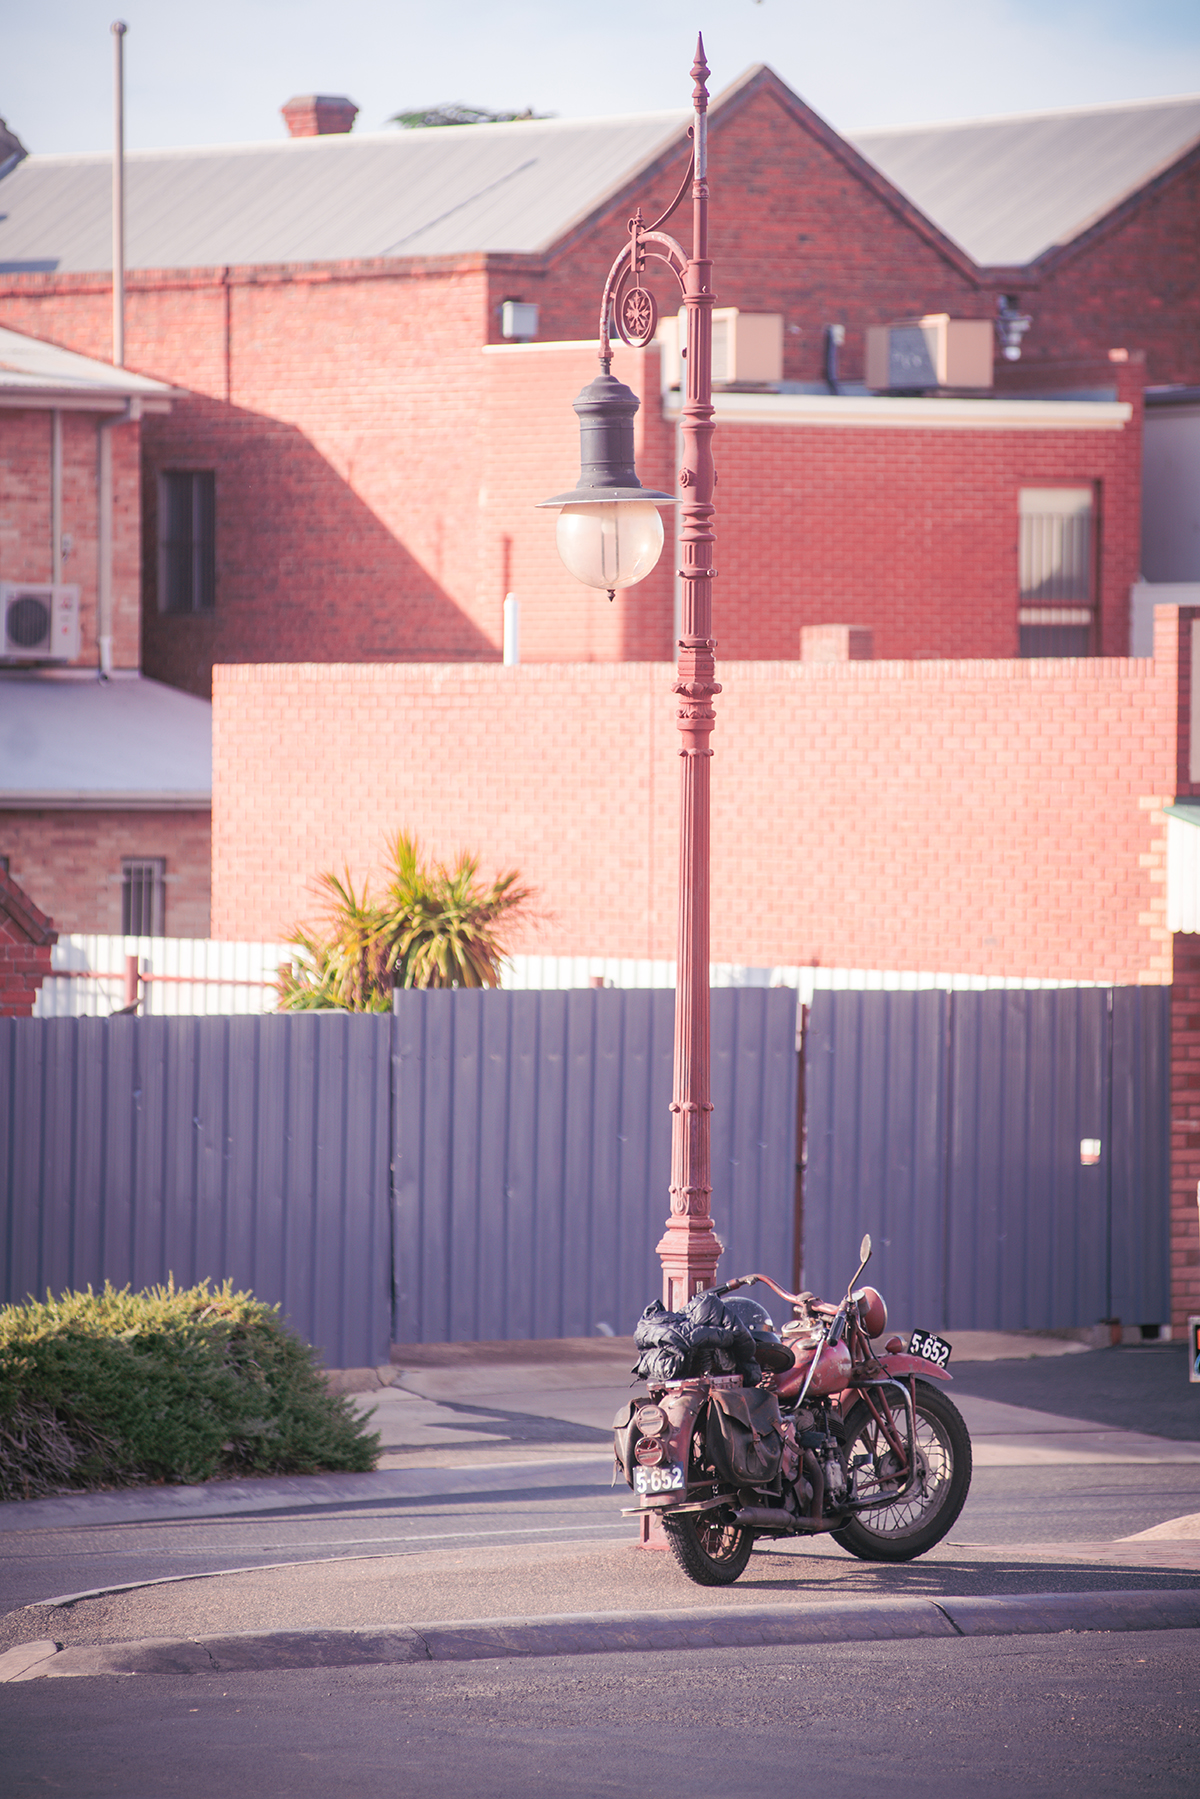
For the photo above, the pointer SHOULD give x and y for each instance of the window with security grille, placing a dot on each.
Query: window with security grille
(143, 896)
(187, 559)
(1056, 560)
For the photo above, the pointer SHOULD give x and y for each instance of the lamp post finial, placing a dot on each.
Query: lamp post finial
(700, 72)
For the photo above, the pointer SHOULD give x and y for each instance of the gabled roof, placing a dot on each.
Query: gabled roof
(1000, 191)
(20, 920)
(436, 192)
(1009, 189)
(33, 372)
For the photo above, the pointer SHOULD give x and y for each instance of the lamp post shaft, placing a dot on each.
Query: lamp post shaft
(690, 1249)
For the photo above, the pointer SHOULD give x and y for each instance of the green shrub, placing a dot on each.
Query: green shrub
(115, 1388)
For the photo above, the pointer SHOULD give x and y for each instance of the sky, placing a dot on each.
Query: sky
(217, 71)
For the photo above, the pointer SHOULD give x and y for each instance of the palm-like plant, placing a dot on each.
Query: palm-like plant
(442, 924)
(436, 927)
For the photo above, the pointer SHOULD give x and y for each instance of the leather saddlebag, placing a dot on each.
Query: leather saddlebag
(744, 1436)
(625, 1433)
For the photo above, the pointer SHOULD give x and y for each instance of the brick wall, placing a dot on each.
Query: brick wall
(911, 532)
(1133, 281)
(70, 863)
(25, 546)
(799, 224)
(1000, 817)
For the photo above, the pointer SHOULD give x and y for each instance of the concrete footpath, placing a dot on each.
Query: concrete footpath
(455, 1418)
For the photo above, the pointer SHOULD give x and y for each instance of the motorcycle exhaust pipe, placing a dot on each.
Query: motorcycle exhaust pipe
(769, 1517)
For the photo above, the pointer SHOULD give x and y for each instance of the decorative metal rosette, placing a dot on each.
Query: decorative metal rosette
(636, 317)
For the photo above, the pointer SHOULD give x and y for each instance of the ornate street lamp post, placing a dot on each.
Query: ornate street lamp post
(610, 536)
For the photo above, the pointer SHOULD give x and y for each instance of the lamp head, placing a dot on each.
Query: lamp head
(609, 532)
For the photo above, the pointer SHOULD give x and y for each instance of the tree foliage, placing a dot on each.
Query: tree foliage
(435, 926)
(454, 113)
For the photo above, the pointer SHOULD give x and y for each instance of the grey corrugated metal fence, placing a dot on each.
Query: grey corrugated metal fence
(949, 1125)
(530, 1139)
(255, 1148)
(533, 1154)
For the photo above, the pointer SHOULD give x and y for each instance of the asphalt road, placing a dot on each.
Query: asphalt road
(1096, 1716)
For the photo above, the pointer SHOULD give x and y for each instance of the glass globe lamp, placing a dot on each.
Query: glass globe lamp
(610, 545)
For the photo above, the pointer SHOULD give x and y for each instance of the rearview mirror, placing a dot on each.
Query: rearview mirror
(864, 1248)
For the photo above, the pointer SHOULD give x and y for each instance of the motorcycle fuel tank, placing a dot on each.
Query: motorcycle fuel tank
(831, 1374)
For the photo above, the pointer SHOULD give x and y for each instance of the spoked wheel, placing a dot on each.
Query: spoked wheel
(710, 1549)
(900, 1529)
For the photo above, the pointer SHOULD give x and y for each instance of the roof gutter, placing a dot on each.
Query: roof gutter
(104, 595)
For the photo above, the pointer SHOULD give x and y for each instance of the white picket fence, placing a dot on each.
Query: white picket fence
(177, 976)
(189, 977)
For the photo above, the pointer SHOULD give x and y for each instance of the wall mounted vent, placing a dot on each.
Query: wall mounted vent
(39, 622)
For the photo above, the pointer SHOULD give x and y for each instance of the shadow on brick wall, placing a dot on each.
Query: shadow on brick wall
(306, 571)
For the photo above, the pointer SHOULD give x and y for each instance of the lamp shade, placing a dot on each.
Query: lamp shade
(611, 545)
(609, 532)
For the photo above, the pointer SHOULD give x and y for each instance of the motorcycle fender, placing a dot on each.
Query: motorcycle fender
(913, 1364)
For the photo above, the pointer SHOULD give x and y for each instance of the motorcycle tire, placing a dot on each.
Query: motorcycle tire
(905, 1528)
(711, 1551)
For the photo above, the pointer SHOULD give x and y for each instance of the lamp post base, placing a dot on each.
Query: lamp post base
(689, 1251)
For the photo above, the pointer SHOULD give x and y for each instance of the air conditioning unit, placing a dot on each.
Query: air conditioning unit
(931, 352)
(40, 622)
(747, 348)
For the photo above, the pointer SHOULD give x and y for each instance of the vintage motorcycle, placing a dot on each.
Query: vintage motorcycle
(830, 1437)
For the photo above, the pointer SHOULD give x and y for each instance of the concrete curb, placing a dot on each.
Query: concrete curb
(600, 1633)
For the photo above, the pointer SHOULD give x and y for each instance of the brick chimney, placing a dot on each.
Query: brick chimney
(319, 115)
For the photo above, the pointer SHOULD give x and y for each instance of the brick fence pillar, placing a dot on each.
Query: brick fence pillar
(26, 939)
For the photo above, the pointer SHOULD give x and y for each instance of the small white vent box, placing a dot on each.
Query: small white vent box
(931, 352)
(40, 622)
(747, 348)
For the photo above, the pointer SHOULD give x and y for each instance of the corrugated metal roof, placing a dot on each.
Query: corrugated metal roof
(29, 367)
(437, 192)
(1007, 189)
(68, 739)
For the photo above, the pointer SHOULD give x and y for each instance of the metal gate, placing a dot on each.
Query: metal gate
(958, 1128)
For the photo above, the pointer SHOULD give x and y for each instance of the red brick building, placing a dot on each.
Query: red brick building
(327, 310)
(105, 783)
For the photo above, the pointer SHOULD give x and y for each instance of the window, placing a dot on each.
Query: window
(1056, 559)
(187, 540)
(143, 896)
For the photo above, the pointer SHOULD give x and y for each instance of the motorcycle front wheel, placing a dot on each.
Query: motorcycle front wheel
(897, 1530)
(711, 1551)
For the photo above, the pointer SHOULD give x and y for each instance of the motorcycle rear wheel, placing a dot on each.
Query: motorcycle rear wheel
(711, 1551)
(901, 1529)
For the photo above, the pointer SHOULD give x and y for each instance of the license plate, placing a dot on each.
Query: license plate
(929, 1348)
(668, 1479)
